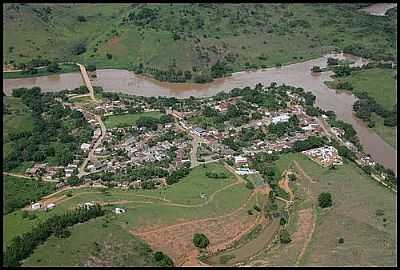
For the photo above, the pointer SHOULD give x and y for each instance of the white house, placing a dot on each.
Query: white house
(36, 206)
(85, 147)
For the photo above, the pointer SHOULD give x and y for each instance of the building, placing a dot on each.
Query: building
(280, 118)
(245, 171)
(199, 131)
(118, 210)
(239, 160)
(325, 156)
(50, 206)
(36, 206)
(85, 147)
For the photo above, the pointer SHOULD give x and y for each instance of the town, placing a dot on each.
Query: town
(141, 154)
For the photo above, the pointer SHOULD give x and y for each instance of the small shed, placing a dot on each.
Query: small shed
(118, 210)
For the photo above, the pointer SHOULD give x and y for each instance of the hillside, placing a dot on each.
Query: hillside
(166, 40)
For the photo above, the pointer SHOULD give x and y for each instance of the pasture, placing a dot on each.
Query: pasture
(154, 209)
(129, 119)
(97, 242)
(20, 191)
(191, 37)
(369, 239)
(379, 83)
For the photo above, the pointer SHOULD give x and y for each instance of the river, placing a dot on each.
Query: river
(299, 75)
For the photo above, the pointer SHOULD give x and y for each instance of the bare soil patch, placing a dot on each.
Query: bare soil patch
(176, 240)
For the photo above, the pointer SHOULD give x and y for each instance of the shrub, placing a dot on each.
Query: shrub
(200, 240)
(316, 69)
(249, 185)
(325, 199)
(284, 237)
(109, 55)
(81, 18)
(379, 212)
(162, 259)
(341, 240)
(91, 67)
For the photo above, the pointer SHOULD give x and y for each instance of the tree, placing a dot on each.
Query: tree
(81, 18)
(316, 69)
(332, 61)
(109, 55)
(162, 259)
(53, 67)
(91, 67)
(200, 240)
(73, 181)
(292, 177)
(284, 237)
(79, 48)
(325, 200)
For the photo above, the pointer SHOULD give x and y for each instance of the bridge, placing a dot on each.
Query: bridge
(87, 81)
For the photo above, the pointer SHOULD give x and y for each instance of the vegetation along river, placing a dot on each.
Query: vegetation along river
(298, 75)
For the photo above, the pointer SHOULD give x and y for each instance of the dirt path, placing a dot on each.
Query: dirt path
(19, 175)
(303, 172)
(308, 240)
(284, 184)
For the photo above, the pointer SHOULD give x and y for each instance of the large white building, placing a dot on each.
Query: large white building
(280, 118)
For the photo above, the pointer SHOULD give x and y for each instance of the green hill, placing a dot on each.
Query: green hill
(191, 37)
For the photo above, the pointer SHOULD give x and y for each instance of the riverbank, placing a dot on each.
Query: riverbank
(378, 84)
(41, 71)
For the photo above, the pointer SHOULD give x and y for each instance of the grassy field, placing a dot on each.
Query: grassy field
(20, 191)
(190, 36)
(40, 72)
(147, 207)
(380, 84)
(368, 239)
(125, 120)
(93, 244)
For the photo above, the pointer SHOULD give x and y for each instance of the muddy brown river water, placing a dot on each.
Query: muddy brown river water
(299, 75)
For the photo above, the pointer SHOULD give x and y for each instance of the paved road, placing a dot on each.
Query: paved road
(91, 155)
(87, 80)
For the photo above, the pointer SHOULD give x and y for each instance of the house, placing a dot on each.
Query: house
(199, 131)
(36, 205)
(87, 205)
(239, 160)
(50, 206)
(85, 147)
